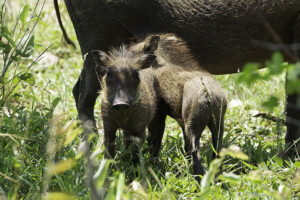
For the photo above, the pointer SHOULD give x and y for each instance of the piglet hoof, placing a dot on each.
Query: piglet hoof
(292, 151)
(198, 173)
(197, 178)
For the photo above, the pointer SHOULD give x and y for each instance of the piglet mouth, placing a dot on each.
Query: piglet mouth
(120, 105)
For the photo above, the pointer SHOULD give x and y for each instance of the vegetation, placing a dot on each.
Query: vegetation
(43, 150)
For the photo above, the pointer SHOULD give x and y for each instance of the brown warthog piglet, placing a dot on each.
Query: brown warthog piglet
(129, 100)
(188, 94)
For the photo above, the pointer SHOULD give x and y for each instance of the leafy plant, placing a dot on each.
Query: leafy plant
(43, 151)
(16, 43)
(275, 66)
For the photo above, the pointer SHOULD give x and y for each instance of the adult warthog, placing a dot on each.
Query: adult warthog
(222, 34)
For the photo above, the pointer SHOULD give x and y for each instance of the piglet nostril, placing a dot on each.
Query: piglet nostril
(120, 106)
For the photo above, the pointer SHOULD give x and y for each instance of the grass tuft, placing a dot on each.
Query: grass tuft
(44, 150)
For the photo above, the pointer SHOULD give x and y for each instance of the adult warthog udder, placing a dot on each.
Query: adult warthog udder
(222, 34)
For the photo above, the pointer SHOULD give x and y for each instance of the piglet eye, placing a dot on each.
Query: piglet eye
(108, 72)
(136, 73)
(108, 76)
(136, 76)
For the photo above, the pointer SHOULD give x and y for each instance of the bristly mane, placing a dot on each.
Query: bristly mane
(121, 52)
(123, 56)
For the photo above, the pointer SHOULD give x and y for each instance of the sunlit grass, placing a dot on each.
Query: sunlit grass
(42, 148)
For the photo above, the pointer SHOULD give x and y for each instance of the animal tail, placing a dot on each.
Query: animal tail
(68, 40)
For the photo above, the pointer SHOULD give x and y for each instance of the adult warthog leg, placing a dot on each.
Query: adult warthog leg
(293, 125)
(293, 108)
(86, 91)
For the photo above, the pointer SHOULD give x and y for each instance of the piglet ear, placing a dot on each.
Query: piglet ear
(151, 44)
(147, 60)
(99, 57)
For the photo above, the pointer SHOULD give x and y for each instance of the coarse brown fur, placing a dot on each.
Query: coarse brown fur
(171, 50)
(223, 36)
(192, 96)
(196, 101)
(187, 93)
(123, 85)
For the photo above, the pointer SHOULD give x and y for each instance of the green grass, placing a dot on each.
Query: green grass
(42, 149)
